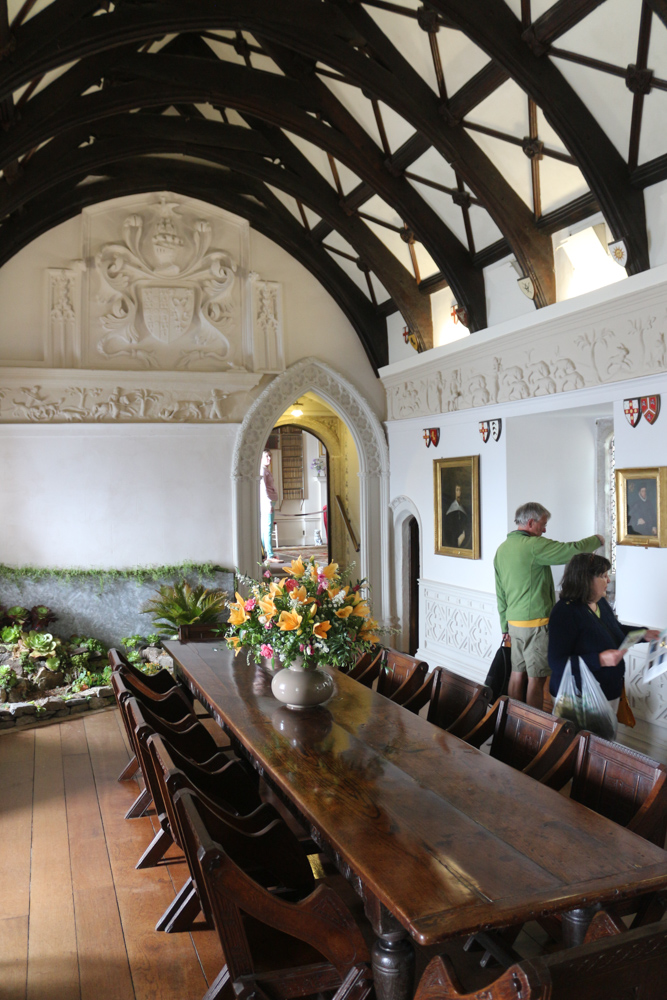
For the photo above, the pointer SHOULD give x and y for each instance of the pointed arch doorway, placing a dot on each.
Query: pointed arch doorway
(367, 434)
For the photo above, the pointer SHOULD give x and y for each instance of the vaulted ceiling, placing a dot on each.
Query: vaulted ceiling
(393, 148)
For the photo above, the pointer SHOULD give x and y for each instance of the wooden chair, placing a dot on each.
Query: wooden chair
(619, 783)
(170, 708)
(455, 703)
(523, 737)
(277, 863)
(400, 676)
(159, 683)
(624, 965)
(365, 662)
(221, 776)
(273, 946)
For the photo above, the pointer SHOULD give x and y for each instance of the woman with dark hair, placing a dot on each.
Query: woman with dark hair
(583, 624)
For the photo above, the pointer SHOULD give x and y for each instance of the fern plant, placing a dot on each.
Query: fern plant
(184, 605)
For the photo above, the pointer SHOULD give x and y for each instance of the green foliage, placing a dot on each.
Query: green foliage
(10, 633)
(80, 661)
(87, 679)
(17, 574)
(184, 605)
(93, 645)
(18, 614)
(8, 678)
(39, 644)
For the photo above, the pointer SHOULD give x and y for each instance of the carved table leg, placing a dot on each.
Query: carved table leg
(575, 925)
(393, 954)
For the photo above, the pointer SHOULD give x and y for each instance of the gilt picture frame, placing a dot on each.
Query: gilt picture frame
(456, 507)
(641, 507)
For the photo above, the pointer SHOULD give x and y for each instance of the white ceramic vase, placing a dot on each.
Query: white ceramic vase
(299, 688)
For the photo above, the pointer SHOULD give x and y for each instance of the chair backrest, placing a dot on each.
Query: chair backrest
(319, 920)
(625, 965)
(160, 682)
(457, 703)
(524, 734)
(400, 675)
(622, 785)
(369, 661)
(172, 705)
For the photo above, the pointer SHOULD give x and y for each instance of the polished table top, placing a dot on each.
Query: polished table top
(448, 839)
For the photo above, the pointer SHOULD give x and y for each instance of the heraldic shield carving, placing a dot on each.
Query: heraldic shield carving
(632, 410)
(432, 436)
(484, 430)
(162, 282)
(650, 407)
(490, 428)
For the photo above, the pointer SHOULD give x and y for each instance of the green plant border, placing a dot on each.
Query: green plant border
(140, 574)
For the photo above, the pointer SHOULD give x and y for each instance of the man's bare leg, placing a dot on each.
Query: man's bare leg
(535, 695)
(517, 685)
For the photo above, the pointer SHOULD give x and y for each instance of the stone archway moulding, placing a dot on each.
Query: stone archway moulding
(403, 508)
(311, 375)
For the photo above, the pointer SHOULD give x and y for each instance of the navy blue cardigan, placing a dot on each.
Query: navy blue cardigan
(575, 630)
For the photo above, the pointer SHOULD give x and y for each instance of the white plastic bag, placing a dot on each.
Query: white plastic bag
(588, 708)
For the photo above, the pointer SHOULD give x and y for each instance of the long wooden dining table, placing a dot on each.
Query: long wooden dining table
(438, 838)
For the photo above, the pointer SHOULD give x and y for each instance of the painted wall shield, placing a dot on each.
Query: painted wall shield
(484, 430)
(432, 436)
(496, 429)
(650, 407)
(632, 410)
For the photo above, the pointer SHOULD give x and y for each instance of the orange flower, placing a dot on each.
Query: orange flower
(321, 629)
(268, 607)
(275, 589)
(288, 621)
(366, 632)
(235, 643)
(345, 612)
(297, 568)
(362, 610)
(299, 594)
(330, 571)
(237, 613)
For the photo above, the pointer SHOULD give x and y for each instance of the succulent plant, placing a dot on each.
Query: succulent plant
(185, 605)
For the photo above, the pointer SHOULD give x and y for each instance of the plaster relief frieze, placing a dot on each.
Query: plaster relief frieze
(267, 323)
(538, 361)
(459, 620)
(123, 397)
(63, 347)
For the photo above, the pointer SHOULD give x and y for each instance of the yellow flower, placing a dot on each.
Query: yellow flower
(297, 568)
(321, 629)
(299, 594)
(288, 621)
(330, 571)
(237, 615)
(345, 612)
(362, 610)
(276, 589)
(235, 643)
(332, 591)
(366, 632)
(268, 607)
(313, 572)
(313, 610)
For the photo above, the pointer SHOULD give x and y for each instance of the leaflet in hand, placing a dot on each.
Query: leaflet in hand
(632, 638)
(656, 658)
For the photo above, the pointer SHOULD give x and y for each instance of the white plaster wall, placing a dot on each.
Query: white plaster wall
(655, 199)
(641, 573)
(108, 496)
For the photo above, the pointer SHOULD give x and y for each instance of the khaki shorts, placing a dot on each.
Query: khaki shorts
(530, 648)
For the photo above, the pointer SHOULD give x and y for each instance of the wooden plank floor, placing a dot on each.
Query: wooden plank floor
(76, 918)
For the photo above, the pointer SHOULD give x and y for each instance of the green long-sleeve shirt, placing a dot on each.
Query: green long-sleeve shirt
(524, 584)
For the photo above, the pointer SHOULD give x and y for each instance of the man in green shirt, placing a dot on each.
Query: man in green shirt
(526, 595)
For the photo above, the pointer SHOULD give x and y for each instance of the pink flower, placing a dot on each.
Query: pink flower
(323, 581)
(249, 605)
(301, 647)
(267, 574)
(290, 585)
(269, 624)
(322, 587)
(266, 650)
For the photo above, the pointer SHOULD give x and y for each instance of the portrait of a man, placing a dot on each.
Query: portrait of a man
(642, 506)
(456, 503)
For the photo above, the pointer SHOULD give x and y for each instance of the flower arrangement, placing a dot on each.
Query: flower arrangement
(311, 613)
(319, 464)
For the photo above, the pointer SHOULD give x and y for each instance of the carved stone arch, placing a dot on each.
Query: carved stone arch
(403, 508)
(311, 375)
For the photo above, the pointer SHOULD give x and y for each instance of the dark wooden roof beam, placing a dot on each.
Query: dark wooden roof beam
(555, 22)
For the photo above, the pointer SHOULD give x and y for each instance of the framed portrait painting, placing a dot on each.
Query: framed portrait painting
(456, 505)
(641, 507)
